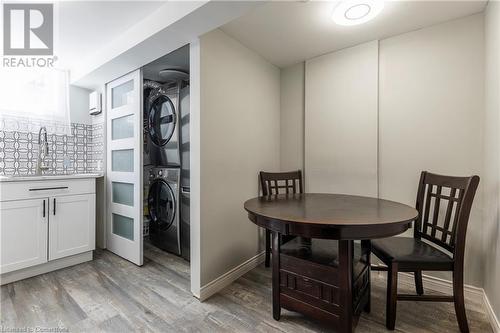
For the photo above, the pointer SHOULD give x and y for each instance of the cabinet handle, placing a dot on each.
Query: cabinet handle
(43, 208)
(48, 188)
(54, 206)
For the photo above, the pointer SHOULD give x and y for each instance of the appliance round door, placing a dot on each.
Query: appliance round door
(161, 120)
(161, 204)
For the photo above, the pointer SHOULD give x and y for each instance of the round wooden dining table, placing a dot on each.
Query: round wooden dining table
(340, 217)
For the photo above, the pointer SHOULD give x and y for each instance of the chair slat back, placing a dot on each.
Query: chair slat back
(444, 204)
(273, 183)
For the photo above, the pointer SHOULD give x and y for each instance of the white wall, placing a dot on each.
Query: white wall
(430, 114)
(292, 118)
(491, 178)
(79, 105)
(171, 26)
(341, 121)
(240, 135)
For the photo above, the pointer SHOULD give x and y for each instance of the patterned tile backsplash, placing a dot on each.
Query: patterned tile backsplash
(79, 151)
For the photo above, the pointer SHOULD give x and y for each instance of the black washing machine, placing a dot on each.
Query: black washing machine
(163, 208)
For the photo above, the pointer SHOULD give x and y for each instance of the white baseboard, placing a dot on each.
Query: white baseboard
(227, 278)
(471, 293)
(495, 323)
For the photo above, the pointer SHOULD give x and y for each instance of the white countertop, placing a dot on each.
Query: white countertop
(19, 178)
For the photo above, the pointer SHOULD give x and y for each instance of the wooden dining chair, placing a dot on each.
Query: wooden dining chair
(273, 183)
(443, 204)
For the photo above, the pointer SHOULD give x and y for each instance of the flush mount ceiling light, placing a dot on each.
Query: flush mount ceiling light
(353, 12)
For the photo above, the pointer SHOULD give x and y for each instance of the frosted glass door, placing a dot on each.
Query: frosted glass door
(124, 167)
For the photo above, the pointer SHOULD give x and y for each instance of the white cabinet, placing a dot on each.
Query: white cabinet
(43, 221)
(23, 234)
(70, 230)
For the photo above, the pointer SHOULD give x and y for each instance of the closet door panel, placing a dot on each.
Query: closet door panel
(341, 111)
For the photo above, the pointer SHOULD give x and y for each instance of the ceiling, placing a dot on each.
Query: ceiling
(286, 33)
(86, 26)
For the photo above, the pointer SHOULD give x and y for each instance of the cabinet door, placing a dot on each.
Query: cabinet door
(23, 234)
(71, 225)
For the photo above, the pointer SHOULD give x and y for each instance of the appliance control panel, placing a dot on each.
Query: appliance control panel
(157, 173)
(168, 174)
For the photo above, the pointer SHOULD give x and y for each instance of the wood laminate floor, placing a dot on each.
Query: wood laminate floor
(110, 294)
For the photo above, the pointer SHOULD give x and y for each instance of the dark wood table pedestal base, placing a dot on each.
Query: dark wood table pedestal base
(330, 294)
(345, 285)
(276, 276)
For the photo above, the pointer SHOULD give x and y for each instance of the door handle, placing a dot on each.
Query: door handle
(43, 214)
(54, 206)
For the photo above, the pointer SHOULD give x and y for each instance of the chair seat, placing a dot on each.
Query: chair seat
(411, 252)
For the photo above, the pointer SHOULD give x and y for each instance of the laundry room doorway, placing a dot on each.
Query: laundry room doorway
(148, 169)
(166, 150)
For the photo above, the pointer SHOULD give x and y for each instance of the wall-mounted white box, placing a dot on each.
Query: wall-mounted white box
(95, 105)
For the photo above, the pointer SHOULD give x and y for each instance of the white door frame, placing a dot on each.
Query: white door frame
(195, 165)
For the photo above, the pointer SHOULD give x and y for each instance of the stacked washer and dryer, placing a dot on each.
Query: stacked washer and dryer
(166, 161)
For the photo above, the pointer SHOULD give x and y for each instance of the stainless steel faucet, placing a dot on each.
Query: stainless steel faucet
(43, 151)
